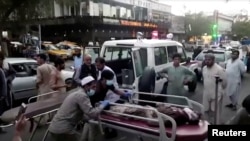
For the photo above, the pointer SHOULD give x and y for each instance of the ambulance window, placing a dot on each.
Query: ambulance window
(182, 53)
(108, 54)
(116, 53)
(160, 55)
(171, 51)
(140, 61)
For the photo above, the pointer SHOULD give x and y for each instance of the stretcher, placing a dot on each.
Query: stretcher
(34, 110)
(161, 133)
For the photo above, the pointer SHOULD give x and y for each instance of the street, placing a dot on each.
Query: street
(197, 96)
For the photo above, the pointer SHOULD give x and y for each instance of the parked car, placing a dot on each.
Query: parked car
(54, 52)
(136, 62)
(24, 85)
(235, 44)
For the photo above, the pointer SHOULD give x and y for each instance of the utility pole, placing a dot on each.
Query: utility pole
(215, 25)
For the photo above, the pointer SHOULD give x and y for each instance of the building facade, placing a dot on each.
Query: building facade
(178, 27)
(225, 24)
(100, 20)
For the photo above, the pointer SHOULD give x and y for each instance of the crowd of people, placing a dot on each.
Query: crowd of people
(96, 81)
(93, 82)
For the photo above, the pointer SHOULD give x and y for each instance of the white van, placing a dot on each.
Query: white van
(136, 62)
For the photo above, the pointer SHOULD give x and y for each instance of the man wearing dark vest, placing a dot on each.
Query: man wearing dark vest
(87, 69)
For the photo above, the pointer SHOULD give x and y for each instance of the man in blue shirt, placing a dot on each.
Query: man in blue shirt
(78, 59)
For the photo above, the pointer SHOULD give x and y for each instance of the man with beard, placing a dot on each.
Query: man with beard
(105, 84)
(178, 76)
(234, 70)
(210, 71)
(78, 58)
(86, 69)
(56, 80)
(100, 65)
(43, 76)
(72, 110)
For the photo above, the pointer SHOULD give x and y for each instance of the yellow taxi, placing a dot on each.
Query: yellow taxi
(53, 51)
(68, 46)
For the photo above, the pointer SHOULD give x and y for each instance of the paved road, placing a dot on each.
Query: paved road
(197, 96)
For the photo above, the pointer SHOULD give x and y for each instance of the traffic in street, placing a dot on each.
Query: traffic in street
(227, 113)
(124, 70)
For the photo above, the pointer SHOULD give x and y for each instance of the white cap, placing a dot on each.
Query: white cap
(87, 80)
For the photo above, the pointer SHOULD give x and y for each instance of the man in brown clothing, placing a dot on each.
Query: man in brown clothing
(73, 109)
(43, 76)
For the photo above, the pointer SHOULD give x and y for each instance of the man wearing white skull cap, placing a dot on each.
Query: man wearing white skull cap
(72, 110)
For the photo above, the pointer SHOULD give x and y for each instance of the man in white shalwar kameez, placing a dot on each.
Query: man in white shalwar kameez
(234, 70)
(211, 70)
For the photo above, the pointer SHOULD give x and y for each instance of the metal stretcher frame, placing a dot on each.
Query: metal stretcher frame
(162, 134)
(36, 116)
(190, 102)
(40, 116)
(161, 130)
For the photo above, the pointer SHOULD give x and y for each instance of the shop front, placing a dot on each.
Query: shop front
(99, 29)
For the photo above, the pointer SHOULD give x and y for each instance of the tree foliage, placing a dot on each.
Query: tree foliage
(26, 9)
(199, 24)
(241, 28)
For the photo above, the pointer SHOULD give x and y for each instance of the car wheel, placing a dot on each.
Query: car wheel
(147, 85)
(192, 86)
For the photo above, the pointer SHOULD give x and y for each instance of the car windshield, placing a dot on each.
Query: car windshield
(219, 56)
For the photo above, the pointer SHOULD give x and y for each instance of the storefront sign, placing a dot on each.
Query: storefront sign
(137, 24)
(147, 4)
(111, 21)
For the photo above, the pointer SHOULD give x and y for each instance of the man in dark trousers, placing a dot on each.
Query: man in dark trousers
(3, 88)
(10, 75)
(197, 51)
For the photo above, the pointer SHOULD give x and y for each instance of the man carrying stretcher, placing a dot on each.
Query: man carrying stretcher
(72, 110)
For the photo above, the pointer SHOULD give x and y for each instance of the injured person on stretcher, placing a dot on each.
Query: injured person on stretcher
(180, 115)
